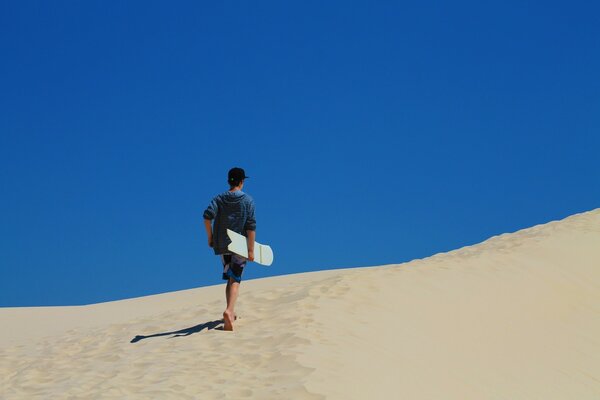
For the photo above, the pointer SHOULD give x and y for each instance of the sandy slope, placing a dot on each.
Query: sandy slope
(515, 317)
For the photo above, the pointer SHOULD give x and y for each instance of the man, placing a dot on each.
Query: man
(233, 210)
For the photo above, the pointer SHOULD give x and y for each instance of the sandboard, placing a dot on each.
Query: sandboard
(262, 253)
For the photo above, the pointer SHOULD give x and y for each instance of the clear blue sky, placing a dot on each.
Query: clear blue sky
(373, 132)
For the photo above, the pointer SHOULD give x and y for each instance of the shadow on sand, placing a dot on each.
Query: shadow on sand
(184, 332)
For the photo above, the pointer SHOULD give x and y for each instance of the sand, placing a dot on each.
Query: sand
(514, 317)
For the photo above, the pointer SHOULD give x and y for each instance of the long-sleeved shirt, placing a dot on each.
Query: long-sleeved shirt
(230, 210)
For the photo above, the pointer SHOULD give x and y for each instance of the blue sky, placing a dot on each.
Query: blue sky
(373, 132)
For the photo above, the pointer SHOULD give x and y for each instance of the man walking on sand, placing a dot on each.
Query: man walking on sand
(233, 210)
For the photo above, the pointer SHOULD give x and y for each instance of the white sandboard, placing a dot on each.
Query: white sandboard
(262, 253)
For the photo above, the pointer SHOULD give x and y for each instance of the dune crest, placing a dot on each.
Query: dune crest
(514, 317)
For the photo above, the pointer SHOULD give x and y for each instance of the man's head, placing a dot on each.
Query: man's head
(235, 177)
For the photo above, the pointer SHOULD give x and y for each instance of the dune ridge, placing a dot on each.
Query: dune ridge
(516, 316)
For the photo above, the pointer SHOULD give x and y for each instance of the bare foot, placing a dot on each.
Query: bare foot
(227, 321)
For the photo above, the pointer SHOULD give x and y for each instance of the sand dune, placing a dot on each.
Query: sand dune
(515, 317)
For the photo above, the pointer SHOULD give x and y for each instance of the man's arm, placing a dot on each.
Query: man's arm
(250, 236)
(250, 228)
(209, 214)
(208, 227)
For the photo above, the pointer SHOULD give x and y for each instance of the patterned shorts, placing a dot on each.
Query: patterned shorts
(233, 266)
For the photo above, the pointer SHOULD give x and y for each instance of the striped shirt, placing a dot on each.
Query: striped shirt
(230, 210)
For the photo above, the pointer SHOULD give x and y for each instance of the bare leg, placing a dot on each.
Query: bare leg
(227, 289)
(227, 296)
(232, 293)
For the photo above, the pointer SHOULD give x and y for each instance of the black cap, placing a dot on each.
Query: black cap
(236, 175)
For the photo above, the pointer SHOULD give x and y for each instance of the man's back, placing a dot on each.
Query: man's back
(230, 210)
